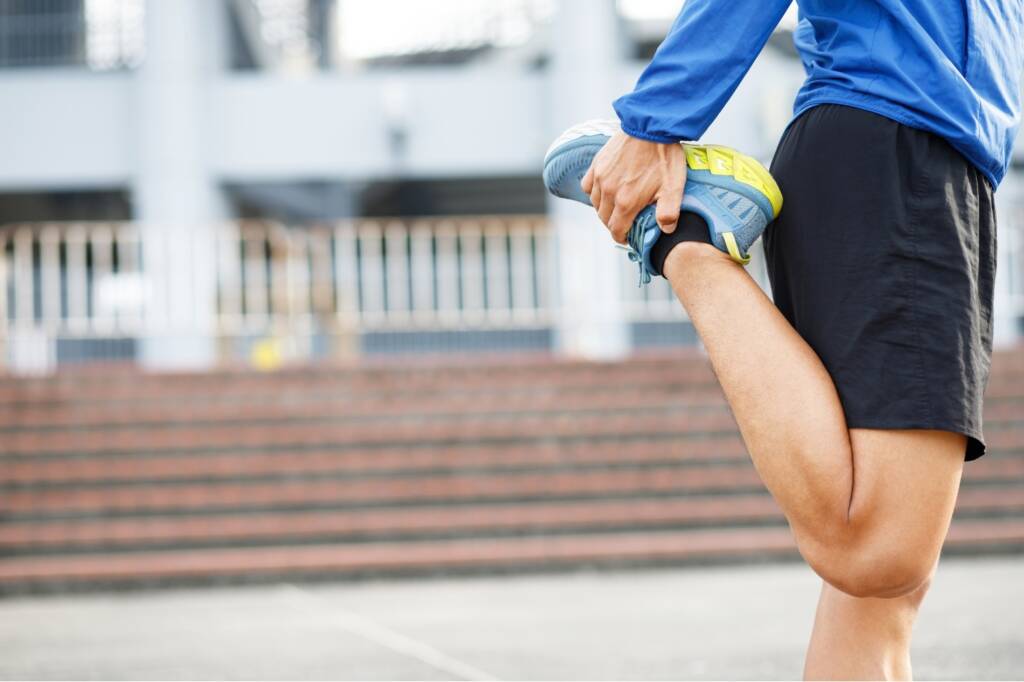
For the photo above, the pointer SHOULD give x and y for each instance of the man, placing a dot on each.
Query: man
(859, 391)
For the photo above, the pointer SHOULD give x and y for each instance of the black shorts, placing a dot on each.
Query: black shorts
(884, 260)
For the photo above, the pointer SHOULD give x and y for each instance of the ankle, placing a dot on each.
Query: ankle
(687, 254)
(690, 228)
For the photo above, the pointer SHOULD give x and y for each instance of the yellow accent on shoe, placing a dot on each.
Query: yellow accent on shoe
(750, 172)
(726, 161)
(696, 157)
(720, 160)
(734, 249)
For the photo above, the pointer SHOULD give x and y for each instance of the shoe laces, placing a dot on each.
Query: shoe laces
(635, 241)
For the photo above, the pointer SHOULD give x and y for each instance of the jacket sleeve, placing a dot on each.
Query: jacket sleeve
(705, 55)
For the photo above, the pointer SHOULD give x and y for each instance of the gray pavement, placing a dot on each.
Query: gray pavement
(645, 624)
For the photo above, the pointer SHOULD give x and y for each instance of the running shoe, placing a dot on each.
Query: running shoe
(734, 194)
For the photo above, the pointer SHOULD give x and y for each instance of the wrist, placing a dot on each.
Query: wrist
(648, 137)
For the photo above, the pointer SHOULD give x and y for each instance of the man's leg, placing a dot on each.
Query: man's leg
(869, 638)
(869, 508)
(862, 639)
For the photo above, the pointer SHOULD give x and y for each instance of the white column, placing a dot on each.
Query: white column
(587, 56)
(1010, 239)
(176, 197)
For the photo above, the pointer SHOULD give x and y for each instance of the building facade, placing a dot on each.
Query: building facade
(195, 182)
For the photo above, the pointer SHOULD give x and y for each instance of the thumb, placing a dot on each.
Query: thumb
(667, 212)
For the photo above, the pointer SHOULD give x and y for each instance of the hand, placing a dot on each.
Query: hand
(629, 174)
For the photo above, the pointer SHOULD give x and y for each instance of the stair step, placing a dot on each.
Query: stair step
(348, 408)
(736, 477)
(432, 556)
(384, 432)
(126, 385)
(382, 490)
(428, 556)
(36, 470)
(115, 477)
(311, 408)
(539, 427)
(488, 379)
(488, 518)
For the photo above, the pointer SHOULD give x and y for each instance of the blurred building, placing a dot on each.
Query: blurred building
(201, 183)
(192, 182)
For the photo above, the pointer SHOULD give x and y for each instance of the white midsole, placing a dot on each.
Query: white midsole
(597, 126)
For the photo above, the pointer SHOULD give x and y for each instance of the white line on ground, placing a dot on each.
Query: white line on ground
(384, 636)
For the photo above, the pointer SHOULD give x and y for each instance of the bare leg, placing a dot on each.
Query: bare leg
(869, 508)
(862, 639)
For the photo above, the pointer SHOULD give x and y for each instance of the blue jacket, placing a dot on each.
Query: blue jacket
(952, 67)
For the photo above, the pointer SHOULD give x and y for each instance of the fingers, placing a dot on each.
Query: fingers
(667, 212)
(603, 201)
(620, 221)
(587, 183)
(595, 196)
(669, 200)
(616, 209)
(606, 211)
(616, 203)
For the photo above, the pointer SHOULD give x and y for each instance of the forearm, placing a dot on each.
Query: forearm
(698, 66)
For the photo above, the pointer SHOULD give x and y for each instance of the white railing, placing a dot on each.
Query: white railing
(61, 278)
(90, 279)
(255, 280)
(370, 274)
(260, 280)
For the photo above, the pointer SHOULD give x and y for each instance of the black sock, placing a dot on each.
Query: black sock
(691, 228)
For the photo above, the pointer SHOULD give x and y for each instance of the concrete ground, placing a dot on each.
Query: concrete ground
(653, 624)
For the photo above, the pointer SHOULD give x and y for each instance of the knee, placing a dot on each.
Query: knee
(863, 574)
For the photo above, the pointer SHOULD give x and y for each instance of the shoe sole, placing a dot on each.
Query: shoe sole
(569, 157)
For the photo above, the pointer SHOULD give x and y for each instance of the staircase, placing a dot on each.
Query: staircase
(114, 478)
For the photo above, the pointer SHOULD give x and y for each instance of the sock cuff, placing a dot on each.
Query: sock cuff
(691, 228)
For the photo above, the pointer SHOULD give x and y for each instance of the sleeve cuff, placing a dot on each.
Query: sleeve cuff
(632, 132)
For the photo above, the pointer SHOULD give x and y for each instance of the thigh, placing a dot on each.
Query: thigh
(905, 486)
(885, 265)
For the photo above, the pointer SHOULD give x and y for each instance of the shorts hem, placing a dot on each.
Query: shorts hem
(975, 440)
